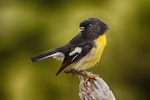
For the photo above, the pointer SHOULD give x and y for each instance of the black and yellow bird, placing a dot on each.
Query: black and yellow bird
(84, 50)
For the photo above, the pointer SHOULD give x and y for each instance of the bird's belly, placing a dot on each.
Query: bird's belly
(93, 56)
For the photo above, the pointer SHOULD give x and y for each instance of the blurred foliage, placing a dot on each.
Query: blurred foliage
(28, 27)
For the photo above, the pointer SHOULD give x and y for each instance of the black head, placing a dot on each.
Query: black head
(92, 27)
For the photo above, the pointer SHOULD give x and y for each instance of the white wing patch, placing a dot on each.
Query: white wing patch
(58, 56)
(76, 50)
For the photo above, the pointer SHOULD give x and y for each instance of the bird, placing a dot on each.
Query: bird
(83, 51)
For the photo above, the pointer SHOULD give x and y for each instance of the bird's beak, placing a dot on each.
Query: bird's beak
(81, 29)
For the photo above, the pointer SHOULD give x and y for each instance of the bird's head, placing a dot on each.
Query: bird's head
(92, 28)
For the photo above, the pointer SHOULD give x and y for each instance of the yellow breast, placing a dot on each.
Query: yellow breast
(98, 50)
(94, 56)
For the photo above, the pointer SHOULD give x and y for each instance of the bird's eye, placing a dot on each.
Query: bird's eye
(90, 25)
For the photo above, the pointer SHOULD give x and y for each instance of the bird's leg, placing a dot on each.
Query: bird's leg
(71, 70)
(84, 73)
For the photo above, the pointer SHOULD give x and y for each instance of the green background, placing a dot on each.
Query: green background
(33, 26)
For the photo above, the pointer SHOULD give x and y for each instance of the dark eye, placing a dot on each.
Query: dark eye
(90, 25)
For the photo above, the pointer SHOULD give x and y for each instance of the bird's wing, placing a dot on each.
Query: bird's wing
(75, 53)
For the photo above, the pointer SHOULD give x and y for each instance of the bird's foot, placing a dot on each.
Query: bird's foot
(89, 77)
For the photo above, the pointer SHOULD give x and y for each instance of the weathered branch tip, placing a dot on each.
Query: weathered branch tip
(94, 90)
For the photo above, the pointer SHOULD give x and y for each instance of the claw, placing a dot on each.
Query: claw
(89, 77)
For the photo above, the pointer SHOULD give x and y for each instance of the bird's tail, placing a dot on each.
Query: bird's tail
(43, 55)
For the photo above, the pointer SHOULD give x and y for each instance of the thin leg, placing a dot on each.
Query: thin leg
(71, 70)
(88, 75)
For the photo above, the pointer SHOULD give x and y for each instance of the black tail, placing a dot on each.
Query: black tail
(42, 55)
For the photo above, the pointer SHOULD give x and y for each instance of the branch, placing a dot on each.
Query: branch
(96, 89)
